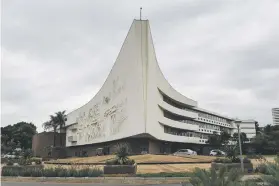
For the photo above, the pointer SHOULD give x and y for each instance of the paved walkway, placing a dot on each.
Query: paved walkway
(73, 184)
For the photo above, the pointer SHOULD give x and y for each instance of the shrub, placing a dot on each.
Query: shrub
(272, 178)
(22, 161)
(46, 159)
(261, 168)
(4, 160)
(232, 152)
(222, 160)
(50, 172)
(111, 162)
(10, 162)
(27, 153)
(256, 156)
(234, 160)
(167, 174)
(218, 178)
(122, 152)
(7, 171)
(130, 162)
(38, 161)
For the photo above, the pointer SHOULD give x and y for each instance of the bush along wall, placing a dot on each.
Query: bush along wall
(36, 171)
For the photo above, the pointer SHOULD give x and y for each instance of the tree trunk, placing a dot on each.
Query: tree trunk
(54, 137)
(60, 137)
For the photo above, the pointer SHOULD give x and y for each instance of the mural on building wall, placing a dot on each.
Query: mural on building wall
(105, 117)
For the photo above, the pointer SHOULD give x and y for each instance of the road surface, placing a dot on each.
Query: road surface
(70, 184)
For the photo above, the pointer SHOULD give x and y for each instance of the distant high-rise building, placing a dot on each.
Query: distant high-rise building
(275, 116)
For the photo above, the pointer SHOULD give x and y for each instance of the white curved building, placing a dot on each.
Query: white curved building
(137, 105)
(275, 116)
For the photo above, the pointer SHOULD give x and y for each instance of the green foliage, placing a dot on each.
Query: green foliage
(235, 160)
(222, 160)
(56, 121)
(51, 172)
(166, 174)
(38, 161)
(272, 169)
(267, 141)
(122, 155)
(261, 168)
(219, 140)
(28, 153)
(122, 152)
(232, 152)
(218, 178)
(256, 156)
(17, 135)
(243, 138)
(10, 162)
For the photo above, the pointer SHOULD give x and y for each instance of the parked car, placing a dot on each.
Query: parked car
(100, 151)
(182, 152)
(217, 152)
(9, 156)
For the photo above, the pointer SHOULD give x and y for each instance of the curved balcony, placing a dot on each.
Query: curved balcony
(177, 111)
(178, 125)
(182, 139)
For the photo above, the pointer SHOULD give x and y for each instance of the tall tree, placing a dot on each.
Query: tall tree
(257, 127)
(219, 140)
(243, 138)
(51, 125)
(267, 141)
(60, 118)
(56, 121)
(19, 134)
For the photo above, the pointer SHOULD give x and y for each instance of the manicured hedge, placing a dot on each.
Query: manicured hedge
(227, 160)
(166, 174)
(36, 171)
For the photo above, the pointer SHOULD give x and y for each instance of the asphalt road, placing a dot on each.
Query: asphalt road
(69, 184)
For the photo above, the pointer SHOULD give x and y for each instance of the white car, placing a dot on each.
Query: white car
(182, 152)
(9, 156)
(217, 152)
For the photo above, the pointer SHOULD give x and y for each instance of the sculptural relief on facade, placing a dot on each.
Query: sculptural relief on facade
(106, 117)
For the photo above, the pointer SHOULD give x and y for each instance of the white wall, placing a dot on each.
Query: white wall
(129, 102)
(122, 114)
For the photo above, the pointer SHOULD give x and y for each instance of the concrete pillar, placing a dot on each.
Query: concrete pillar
(154, 147)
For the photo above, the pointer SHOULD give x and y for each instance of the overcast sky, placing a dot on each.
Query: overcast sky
(56, 54)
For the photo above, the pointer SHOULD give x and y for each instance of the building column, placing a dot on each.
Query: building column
(153, 147)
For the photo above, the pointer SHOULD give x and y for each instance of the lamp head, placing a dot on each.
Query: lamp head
(237, 122)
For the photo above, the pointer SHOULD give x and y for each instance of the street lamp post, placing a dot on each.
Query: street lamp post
(240, 148)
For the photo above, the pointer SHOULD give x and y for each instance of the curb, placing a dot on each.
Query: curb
(145, 163)
(100, 178)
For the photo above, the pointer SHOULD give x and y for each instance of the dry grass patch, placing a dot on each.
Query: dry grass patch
(92, 159)
(146, 158)
(143, 169)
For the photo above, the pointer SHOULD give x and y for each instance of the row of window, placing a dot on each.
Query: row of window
(203, 125)
(206, 126)
(211, 117)
(214, 122)
(203, 116)
(181, 132)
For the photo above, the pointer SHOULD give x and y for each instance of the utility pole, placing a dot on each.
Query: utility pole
(140, 12)
(240, 148)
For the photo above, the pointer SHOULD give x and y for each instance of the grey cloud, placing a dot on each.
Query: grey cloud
(57, 54)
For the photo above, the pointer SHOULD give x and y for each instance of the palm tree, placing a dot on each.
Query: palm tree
(56, 121)
(51, 124)
(60, 119)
